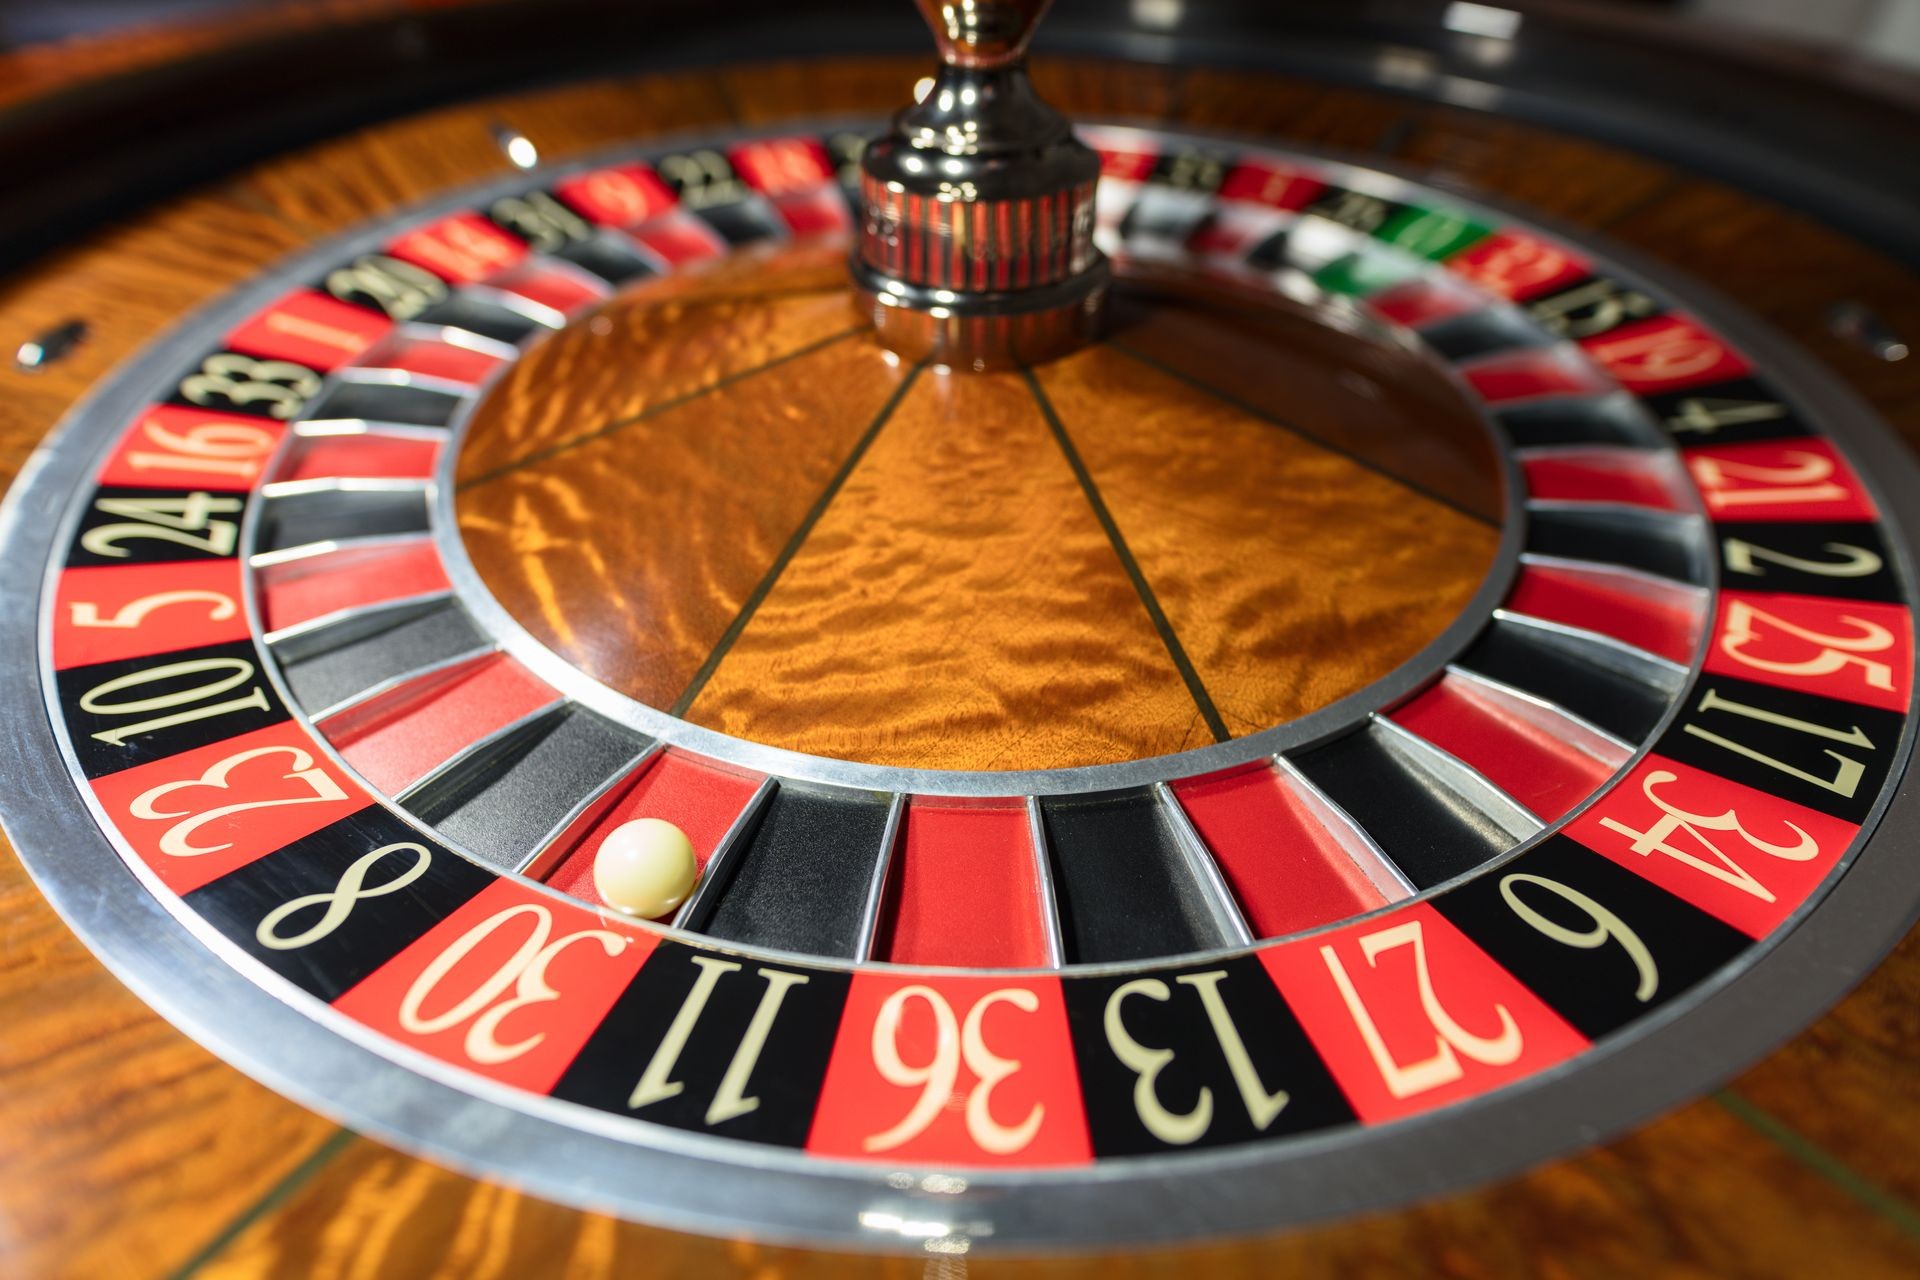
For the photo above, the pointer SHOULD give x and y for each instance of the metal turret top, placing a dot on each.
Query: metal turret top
(976, 239)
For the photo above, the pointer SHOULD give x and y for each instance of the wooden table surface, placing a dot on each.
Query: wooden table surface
(127, 1150)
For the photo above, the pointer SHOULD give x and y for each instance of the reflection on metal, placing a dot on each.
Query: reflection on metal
(518, 148)
(472, 763)
(55, 344)
(1229, 923)
(327, 547)
(344, 485)
(1404, 68)
(1043, 879)
(1379, 869)
(1864, 327)
(1159, 15)
(1583, 735)
(870, 911)
(721, 863)
(1481, 20)
(552, 850)
(343, 626)
(377, 700)
(1601, 650)
(1454, 776)
(975, 242)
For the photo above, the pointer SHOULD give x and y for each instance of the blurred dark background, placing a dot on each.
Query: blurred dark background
(1880, 30)
(33, 21)
(108, 104)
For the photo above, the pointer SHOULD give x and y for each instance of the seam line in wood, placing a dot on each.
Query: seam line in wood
(765, 586)
(1178, 93)
(1228, 398)
(1661, 190)
(620, 424)
(275, 1196)
(728, 103)
(1141, 587)
(1869, 1193)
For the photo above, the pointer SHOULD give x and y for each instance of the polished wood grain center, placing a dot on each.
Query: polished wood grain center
(720, 496)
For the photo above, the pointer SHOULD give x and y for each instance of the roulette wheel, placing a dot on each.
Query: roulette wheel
(801, 658)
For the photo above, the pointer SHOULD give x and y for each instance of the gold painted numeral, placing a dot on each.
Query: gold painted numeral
(956, 1041)
(1721, 866)
(337, 903)
(730, 1101)
(1146, 1062)
(524, 973)
(1451, 1041)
